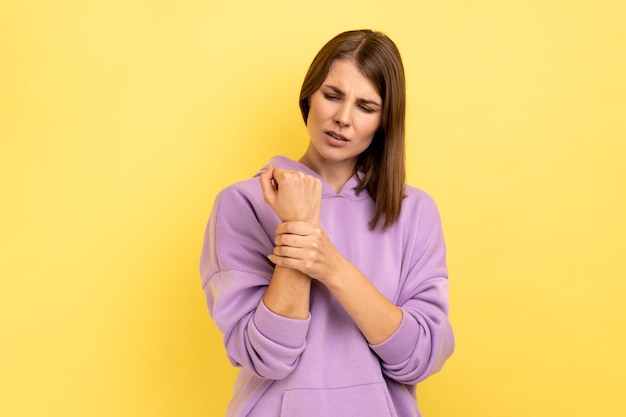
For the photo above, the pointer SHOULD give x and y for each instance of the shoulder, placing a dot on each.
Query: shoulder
(240, 214)
(419, 209)
(248, 186)
(418, 198)
(239, 195)
(422, 228)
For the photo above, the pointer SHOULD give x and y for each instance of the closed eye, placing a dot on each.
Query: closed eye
(366, 109)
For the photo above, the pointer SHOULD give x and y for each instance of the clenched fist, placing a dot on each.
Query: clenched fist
(293, 195)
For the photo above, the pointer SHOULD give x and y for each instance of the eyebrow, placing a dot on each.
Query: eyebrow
(337, 90)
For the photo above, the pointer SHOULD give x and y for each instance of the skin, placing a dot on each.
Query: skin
(349, 105)
(344, 115)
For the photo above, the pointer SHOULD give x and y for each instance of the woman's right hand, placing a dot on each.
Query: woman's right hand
(293, 195)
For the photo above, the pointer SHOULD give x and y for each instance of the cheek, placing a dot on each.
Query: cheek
(314, 114)
(370, 126)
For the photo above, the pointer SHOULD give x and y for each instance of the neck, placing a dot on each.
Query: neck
(335, 174)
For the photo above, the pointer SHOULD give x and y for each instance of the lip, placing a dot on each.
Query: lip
(336, 137)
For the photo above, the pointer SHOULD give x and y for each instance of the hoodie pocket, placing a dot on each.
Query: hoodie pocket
(371, 400)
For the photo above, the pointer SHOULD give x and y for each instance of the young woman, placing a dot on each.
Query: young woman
(327, 275)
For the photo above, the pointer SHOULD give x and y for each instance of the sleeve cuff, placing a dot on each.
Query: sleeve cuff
(399, 346)
(284, 331)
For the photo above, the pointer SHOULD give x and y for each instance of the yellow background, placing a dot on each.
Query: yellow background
(120, 120)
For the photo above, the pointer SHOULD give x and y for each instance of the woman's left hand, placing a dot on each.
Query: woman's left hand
(306, 247)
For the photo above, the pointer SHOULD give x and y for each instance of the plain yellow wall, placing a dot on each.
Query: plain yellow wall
(120, 120)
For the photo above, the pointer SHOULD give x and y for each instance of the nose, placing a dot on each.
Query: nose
(342, 115)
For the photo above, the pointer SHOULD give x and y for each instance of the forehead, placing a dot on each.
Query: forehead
(345, 75)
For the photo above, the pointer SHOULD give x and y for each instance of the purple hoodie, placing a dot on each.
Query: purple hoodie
(323, 366)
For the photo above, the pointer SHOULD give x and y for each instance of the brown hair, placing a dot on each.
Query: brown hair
(383, 163)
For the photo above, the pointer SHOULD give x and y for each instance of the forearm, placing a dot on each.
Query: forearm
(288, 294)
(376, 316)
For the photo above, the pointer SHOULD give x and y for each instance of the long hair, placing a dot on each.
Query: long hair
(381, 167)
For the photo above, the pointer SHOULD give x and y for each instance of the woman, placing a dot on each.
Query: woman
(327, 275)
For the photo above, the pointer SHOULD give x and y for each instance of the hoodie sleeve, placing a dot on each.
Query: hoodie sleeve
(424, 340)
(235, 273)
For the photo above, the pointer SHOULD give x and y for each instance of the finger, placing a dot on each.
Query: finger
(267, 182)
(285, 261)
(290, 239)
(290, 176)
(297, 228)
(284, 177)
(285, 240)
(278, 174)
(288, 252)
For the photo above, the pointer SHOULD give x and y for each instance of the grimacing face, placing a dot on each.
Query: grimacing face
(345, 113)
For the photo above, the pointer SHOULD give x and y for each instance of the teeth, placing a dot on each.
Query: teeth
(336, 137)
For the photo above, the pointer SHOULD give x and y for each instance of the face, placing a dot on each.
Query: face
(344, 114)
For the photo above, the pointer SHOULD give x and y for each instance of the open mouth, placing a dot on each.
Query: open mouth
(336, 136)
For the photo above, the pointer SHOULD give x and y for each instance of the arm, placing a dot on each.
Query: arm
(307, 248)
(424, 340)
(292, 196)
(235, 275)
(412, 337)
